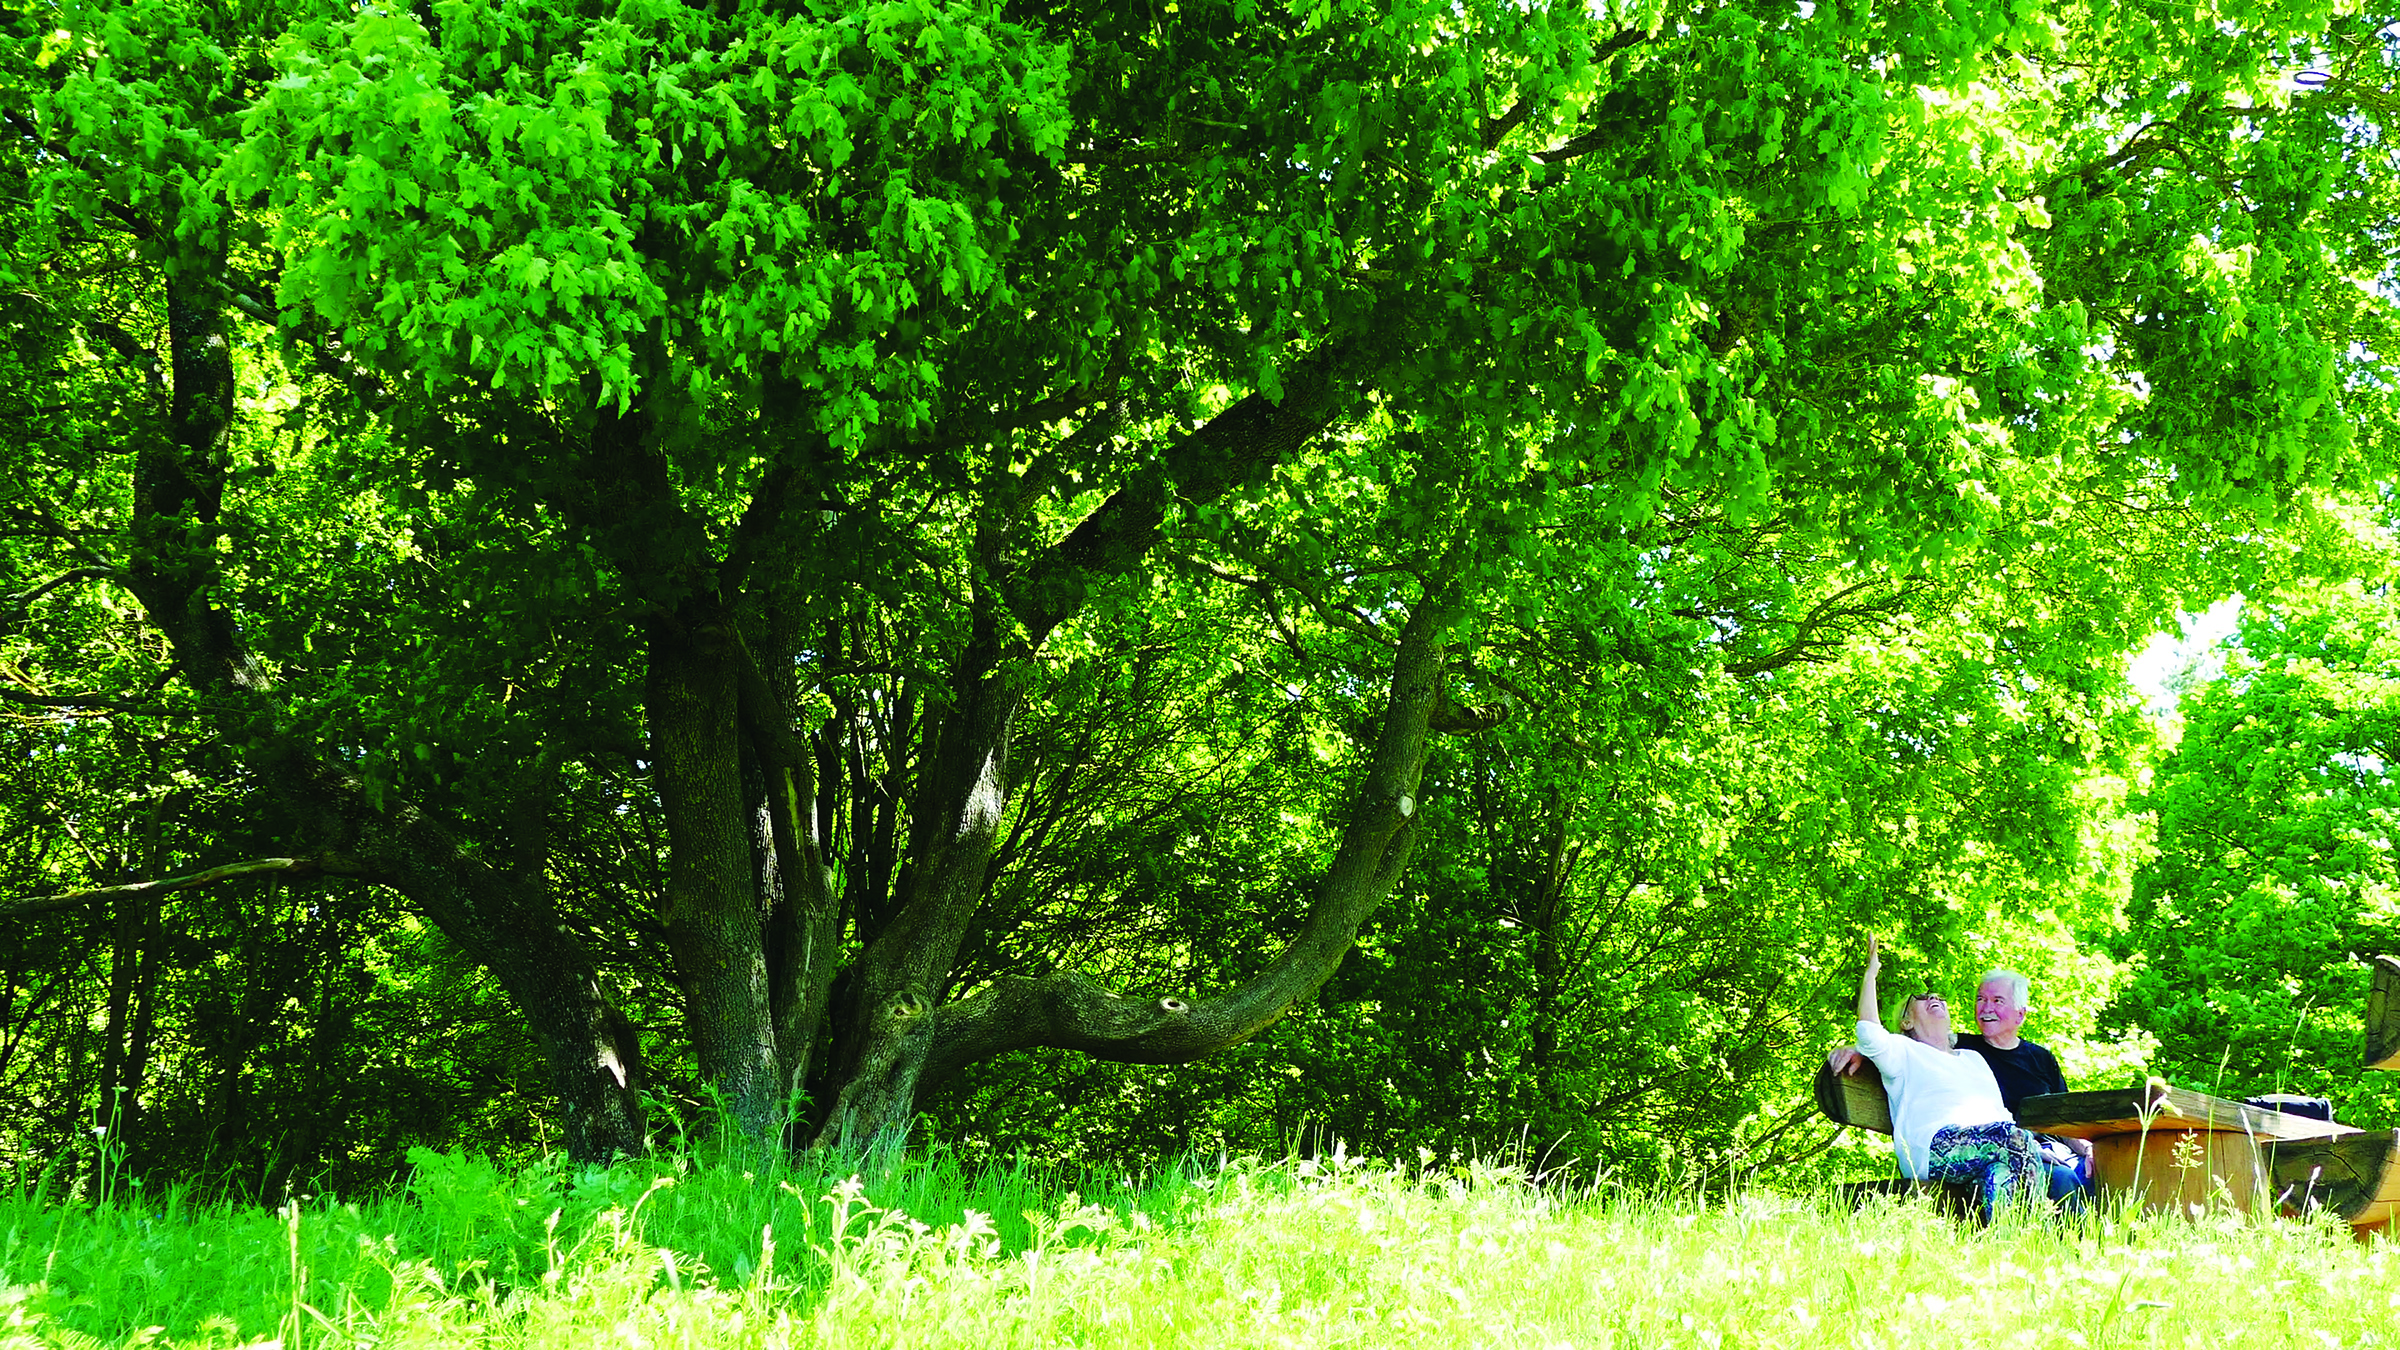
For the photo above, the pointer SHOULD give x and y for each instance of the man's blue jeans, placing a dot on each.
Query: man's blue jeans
(2068, 1188)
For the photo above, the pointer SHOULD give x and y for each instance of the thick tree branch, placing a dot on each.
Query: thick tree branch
(1240, 445)
(18, 603)
(1010, 496)
(756, 527)
(178, 492)
(1496, 129)
(802, 933)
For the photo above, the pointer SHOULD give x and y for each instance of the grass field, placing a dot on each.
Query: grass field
(1338, 1253)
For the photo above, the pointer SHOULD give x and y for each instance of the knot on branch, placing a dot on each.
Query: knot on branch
(1085, 1012)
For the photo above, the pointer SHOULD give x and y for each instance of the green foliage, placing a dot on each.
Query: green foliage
(543, 196)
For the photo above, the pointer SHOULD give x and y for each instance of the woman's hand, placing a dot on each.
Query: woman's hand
(1874, 956)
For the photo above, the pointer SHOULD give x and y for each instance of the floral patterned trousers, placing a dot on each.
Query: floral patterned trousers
(2000, 1158)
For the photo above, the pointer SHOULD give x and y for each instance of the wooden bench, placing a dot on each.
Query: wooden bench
(1854, 1098)
(2356, 1178)
(1858, 1099)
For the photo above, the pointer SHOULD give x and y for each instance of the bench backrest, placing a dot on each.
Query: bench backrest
(2383, 1015)
(1854, 1099)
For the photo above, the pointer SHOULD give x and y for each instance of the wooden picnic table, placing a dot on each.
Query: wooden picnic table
(2174, 1147)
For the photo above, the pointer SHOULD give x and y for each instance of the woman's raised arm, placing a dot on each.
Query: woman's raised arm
(1870, 1008)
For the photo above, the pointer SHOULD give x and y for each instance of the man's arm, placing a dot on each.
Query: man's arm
(2056, 1081)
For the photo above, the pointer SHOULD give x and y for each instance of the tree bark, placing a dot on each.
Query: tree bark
(712, 903)
(1546, 918)
(125, 956)
(803, 923)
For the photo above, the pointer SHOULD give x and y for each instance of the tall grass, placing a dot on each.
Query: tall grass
(918, 1253)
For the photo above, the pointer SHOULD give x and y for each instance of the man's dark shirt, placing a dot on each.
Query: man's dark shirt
(2024, 1069)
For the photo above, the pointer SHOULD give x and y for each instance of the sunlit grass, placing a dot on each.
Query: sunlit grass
(1314, 1254)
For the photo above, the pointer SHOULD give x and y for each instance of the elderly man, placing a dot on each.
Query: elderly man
(2023, 1069)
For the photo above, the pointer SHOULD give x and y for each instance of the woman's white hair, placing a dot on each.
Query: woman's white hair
(2019, 988)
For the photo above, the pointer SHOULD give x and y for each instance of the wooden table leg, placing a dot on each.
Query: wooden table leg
(2183, 1169)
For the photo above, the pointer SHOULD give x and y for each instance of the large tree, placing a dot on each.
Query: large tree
(762, 398)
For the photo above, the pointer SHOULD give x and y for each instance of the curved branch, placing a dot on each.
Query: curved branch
(1810, 640)
(1071, 1012)
(1240, 445)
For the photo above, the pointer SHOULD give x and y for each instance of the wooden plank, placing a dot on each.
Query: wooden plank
(1854, 1099)
(2383, 1015)
(2156, 1107)
(2185, 1171)
(2357, 1177)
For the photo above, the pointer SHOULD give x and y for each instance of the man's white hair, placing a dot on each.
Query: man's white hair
(2019, 988)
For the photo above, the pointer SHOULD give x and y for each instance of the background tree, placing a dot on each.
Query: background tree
(2274, 880)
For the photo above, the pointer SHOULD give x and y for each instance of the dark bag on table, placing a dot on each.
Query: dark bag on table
(2315, 1108)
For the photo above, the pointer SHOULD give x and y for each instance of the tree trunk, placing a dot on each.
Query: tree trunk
(593, 1051)
(803, 934)
(907, 968)
(712, 901)
(145, 981)
(892, 1036)
(1547, 917)
(328, 1031)
(137, 1048)
(125, 958)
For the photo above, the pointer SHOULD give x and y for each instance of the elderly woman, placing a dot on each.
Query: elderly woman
(1947, 1119)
